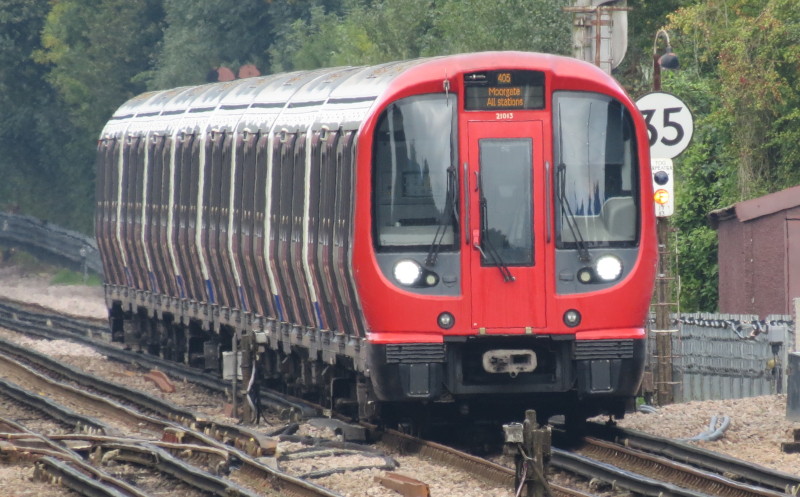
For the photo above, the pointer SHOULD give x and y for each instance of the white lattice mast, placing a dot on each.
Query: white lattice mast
(600, 31)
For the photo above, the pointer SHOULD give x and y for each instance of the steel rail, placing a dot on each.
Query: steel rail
(107, 406)
(163, 461)
(68, 468)
(39, 321)
(483, 469)
(697, 456)
(619, 479)
(570, 462)
(665, 469)
(250, 468)
(78, 422)
(65, 474)
(240, 436)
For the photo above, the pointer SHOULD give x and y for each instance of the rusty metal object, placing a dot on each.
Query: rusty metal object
(161, 381)
(404, 485)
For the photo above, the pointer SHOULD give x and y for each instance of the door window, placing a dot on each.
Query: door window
(506, 202)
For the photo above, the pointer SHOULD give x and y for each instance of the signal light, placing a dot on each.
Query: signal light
(661, 196)
(663, 181)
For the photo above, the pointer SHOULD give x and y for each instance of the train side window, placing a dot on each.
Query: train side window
(414, 157)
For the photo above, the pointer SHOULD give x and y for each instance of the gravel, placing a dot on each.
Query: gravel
(758, 427)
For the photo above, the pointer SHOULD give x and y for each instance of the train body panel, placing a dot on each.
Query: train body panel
(471, 228)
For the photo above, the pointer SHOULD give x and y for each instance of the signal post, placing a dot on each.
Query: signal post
(670, 126)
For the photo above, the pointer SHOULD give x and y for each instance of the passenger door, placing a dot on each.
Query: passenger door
(506, 223)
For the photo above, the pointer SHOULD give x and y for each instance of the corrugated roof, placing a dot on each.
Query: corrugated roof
(748, 210)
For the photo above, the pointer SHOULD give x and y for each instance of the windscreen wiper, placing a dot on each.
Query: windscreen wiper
(493, 255)
(568, 216)
(449, 213)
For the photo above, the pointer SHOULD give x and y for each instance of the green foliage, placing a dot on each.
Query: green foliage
(96, 56)
(698, 250)
(324, 40)
(751, 47)
(38, 142)
(370, 32)
(702, 184)
(474, 25)
(644, 20)
(202, 35)
(739, 76)
(68, 64)
(24, 261)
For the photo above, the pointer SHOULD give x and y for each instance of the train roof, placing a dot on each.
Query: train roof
(333, 97)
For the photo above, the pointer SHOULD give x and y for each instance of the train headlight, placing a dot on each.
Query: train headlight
(407, 272)
(608, 267)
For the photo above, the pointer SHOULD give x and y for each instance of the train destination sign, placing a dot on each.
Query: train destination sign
(504, 90)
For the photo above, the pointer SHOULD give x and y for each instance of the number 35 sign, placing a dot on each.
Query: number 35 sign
(669, 123)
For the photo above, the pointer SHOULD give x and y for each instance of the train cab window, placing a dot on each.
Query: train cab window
(505, 201)
(595, 165)
(415, 174)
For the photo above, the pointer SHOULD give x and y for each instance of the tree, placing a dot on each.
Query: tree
(99, 54)
(473, 25)
(752, 48)
(86, 69)
(202, 35)
(375, 31)
(645, 18)
(37, 139)
(739, 75)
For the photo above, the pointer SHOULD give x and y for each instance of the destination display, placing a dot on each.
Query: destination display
(504, 90)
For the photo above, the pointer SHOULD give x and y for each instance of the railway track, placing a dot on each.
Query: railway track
(714, 462)
(130, 435)
(694, 472)
(648, 474)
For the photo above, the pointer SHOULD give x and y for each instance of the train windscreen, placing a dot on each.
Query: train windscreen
(595, 171)
(414, 171)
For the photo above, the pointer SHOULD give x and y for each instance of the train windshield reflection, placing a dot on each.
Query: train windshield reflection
(414, 147)
(595, 155)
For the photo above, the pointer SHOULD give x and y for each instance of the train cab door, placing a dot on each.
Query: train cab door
(506, 226)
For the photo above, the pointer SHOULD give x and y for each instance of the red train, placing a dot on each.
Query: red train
(472, 231)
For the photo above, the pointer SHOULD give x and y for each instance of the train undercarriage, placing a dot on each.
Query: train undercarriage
(286, 368)
(306, 369)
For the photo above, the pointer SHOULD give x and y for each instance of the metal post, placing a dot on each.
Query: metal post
(663, 332)
(530, 444)
(235, 379)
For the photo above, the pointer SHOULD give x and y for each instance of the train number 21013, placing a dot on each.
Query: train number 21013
(504, 115)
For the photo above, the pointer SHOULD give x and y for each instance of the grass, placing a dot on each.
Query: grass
(30, 264)
(69, 277)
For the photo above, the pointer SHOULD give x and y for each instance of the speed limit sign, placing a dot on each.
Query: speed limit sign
(669, 123)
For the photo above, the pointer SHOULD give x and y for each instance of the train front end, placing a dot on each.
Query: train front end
(505, 243)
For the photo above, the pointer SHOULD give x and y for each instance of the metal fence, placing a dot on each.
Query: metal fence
(50, 242)
(728, 356)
